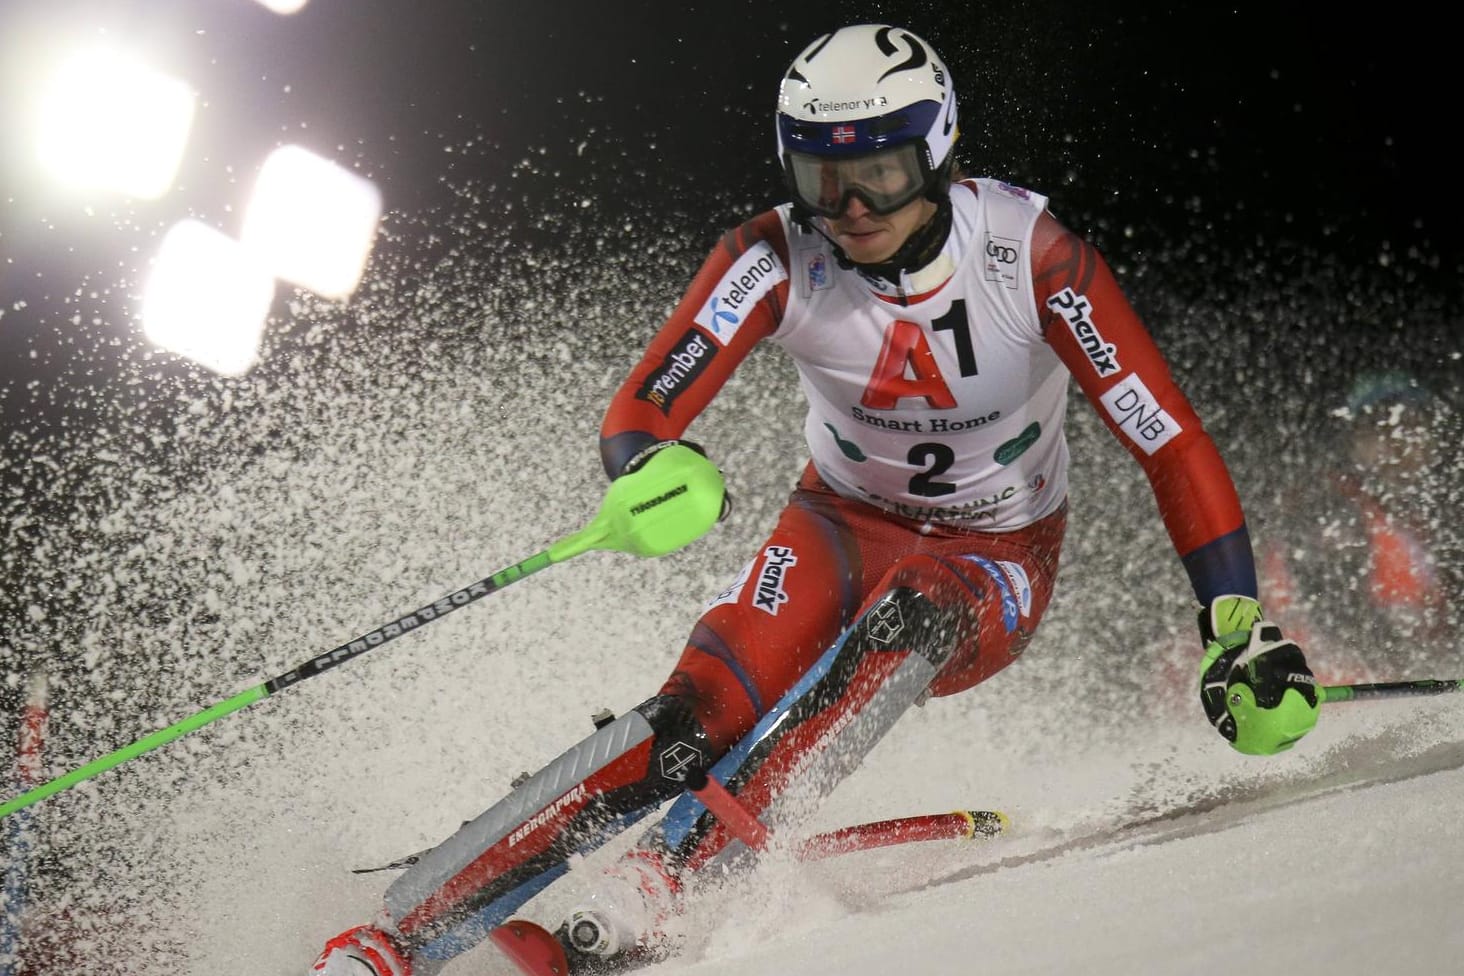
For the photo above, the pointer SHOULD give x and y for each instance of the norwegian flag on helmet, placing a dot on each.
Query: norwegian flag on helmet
(843, 134)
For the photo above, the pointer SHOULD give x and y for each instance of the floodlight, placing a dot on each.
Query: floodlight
(207, 298)
(311, 221)
(282, 6)
(105, 120)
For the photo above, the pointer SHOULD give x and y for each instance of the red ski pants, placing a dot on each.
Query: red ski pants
(827, 560)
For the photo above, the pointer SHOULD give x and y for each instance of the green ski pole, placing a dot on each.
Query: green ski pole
(1390, 689)
(669, 502)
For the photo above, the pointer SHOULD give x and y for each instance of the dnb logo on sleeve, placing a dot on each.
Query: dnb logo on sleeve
(1138, 414)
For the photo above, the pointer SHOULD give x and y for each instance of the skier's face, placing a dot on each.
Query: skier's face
(868, 237)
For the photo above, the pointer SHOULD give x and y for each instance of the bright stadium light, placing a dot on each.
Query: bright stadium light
(106, 121)
(282, 6)
(312, 222)
(207, 298)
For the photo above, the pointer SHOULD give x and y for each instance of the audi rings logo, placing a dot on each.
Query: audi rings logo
(1000, 252)
(1001, 261)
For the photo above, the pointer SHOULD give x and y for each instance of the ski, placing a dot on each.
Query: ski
(743, 825)
(956, 825)
(535, 951)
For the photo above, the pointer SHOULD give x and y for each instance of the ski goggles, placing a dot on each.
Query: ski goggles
(884, 180)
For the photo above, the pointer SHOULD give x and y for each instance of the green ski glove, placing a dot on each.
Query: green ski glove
(668, 496)
(1254, 684)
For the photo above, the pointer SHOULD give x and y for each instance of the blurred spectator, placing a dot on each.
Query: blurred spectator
(1364, 566)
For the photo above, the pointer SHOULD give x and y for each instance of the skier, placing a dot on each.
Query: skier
(935, 322)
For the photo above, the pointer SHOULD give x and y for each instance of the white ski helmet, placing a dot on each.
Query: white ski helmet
(867, 111)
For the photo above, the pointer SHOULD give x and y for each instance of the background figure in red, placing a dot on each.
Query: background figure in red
(1370, 547)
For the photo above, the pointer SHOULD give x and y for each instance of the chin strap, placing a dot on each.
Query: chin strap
(919, 249)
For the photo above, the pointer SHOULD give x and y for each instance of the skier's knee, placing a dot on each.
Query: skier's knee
(645, 756)
(939, 598)
(920, 613)
(680, 746)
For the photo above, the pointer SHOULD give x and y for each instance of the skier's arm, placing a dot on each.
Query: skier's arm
(1094, 330)
(736, 299)
(1255, 685)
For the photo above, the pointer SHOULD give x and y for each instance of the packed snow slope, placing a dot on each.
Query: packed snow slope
(203, 535)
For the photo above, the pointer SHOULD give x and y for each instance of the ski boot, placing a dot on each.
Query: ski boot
(361, 946)
(618, 928)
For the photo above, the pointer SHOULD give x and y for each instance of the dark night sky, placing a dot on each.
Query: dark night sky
(1284, 113)
(1233, 130)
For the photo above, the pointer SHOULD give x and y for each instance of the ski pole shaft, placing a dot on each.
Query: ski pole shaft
(739, 821)
(571, 546)
(671, 500)
(1390, 689)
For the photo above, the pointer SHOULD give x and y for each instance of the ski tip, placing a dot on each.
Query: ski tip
(531, 948)
(985, 823)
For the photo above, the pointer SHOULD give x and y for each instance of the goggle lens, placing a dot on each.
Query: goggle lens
(885, 180)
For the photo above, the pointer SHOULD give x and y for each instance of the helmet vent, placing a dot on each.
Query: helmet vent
(886, 124)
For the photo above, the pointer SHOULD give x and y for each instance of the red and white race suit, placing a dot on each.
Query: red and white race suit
(935, 433)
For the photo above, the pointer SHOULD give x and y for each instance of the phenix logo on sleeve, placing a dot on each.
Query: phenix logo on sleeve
(1074, 309)
(751, 276)
(770, 595)
(767, 593)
